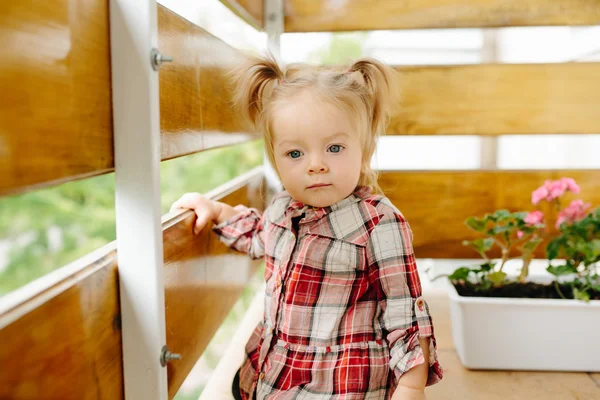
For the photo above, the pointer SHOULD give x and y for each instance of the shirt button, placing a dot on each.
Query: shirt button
(420, 304)
(261, 376)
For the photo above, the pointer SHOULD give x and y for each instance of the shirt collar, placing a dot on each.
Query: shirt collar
(284, 208)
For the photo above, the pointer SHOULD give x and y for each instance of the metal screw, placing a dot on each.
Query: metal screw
(167, 356)
(157, 59)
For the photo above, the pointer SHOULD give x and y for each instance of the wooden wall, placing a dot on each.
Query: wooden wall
(352, 15)
(436, 203)
(56, 108)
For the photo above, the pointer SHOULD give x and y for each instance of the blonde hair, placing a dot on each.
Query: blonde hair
(367, 90)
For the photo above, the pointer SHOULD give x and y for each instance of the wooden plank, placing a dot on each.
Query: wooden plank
(203, 280)
(499, 100)
(56, 109)
(64, 341)
(436, 204)
(596, 378)
(56, 103)
(462, 383)
(354, 15)
(61, 334)
(195, 94)
(251, 11)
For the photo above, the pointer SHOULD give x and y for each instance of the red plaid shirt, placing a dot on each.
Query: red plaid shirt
(343, 304)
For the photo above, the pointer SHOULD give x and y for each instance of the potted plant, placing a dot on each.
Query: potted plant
(525, 321)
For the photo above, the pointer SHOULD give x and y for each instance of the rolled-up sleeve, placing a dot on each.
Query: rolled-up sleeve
(404, 312)
(243, 232)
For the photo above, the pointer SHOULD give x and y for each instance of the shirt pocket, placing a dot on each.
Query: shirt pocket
(333, 256)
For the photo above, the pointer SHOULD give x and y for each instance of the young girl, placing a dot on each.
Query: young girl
(344, 316)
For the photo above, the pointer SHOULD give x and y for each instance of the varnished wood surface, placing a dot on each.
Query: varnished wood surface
(498, 100)
(195, 91)
(353, 15)
(436, 204)
(55, 111)
(251, 11)
(203, 280)
(62, 340)
(55, 108)
(465, 384)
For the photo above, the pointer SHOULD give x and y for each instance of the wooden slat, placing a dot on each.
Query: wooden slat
(499, 100)
(251, 11)
(353, 15)
(203, 280)
(55, 111)
(461, 383)
(61, 335)
(436, 204)
(195, 94)
(65, 341)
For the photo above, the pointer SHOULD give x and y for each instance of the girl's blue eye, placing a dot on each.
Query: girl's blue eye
(335, 148)
(294, 153)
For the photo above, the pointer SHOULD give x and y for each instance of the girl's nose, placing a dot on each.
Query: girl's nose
(317, 166)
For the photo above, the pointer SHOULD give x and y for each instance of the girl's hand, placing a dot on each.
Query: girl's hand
(206, 210)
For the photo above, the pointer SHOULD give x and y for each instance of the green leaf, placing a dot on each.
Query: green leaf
(460, 274)
(497, 277)
(561, 270)
(489, 218)
(480, 245)
(487, 244)
(502, 215)
(500, 229)
(485, 285)
(595, 246)
(520, 215)
(532, 244)
(581, 295)
(487, 267)
(553, 248)
(476, 224)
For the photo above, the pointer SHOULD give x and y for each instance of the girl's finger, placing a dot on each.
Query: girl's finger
(175, 206)
(188, 201)
(201, 221)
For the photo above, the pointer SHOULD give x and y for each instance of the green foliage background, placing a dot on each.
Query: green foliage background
(82, 213)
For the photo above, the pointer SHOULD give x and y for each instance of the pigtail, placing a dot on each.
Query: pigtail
(381, 83)
(254, 82)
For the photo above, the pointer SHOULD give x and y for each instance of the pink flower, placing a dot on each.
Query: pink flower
(556, 189)
(539, 194)
(571, 185)
(551, 190)
(534, 218)
(520, 234)
(575, 211)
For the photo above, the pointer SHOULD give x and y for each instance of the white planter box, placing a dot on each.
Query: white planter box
(526, 334)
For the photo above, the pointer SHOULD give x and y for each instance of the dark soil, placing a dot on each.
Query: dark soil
(519, 290)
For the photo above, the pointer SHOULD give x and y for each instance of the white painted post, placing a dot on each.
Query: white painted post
(133, 30)
(274, 27)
